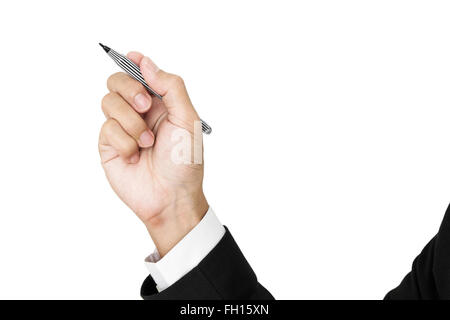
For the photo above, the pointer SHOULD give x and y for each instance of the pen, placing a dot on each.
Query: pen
(133, 70)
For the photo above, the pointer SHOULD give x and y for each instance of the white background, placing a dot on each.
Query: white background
(329, 158)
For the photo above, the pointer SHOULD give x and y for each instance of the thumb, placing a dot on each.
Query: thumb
(173, 91)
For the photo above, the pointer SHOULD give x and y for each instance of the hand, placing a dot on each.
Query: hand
(136, 146)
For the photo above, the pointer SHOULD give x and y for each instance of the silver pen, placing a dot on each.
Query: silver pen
(134, 71)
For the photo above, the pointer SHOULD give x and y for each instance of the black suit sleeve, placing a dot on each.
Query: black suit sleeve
(430, 274)
(223, 274)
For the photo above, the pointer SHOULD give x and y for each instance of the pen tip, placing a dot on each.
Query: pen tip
(104, 47)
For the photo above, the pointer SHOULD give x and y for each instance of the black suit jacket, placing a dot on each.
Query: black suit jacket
(430, 275)
(225, 274)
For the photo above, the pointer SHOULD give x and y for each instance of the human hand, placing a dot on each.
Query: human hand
(136, 147)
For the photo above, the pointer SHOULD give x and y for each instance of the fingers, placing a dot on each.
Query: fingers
(171, 87)
(136, 57)
(114, 106)
(131, 90)
(114, 135)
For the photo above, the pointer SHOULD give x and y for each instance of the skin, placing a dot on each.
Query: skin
(135, 146)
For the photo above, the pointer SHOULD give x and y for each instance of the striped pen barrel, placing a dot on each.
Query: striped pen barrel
(133, 70)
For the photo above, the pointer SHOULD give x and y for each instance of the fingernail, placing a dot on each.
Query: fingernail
(149, 65)
(135, 158)
(142, 102)
(146, 139)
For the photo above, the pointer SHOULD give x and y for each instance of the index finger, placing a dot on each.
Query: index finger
(131, 90)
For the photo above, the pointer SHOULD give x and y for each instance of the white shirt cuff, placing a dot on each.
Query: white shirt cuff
(187, 253)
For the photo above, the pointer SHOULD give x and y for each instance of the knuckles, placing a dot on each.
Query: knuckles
(125, 146)
(112, 79)
(128, 148)
(176, 82)
(108, 127)
(107, 101)
(123, 83)
(132, 122)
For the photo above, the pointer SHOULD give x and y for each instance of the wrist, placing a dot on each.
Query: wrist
(176, 221)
